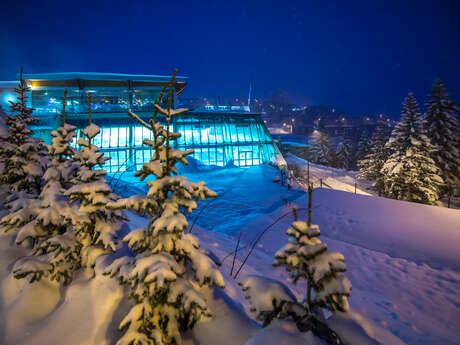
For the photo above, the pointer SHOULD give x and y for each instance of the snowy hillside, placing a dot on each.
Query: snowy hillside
(402, 257)
(401, 260)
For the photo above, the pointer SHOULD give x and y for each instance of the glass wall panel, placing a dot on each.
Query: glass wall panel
(233, 133)
(241, 137)
(220, 156)
(97, 140)
(219, 133)
(204, 135)
(123, 136)
(188, 135)
(114, 137)
(105, 137)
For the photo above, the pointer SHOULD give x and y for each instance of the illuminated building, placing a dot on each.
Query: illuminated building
(219, 135)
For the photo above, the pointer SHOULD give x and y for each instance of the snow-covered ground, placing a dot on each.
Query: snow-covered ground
(327, 177)
(402, 258)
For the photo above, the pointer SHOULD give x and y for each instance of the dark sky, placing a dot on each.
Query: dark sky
(361, 56)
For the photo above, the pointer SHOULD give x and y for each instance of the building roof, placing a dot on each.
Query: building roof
(8, 84)
(99, 76)
(93, 80)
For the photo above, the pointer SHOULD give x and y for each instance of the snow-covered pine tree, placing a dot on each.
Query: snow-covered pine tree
(26, 159)
(371, 165)
(96, 232)
(442, 128)
(164, 276)
(343, 155)
(321, 150)
(306, 257)
(409, 173)
(56, 250)
(364, 146)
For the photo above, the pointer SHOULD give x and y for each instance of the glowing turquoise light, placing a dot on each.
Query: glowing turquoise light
(217, 139)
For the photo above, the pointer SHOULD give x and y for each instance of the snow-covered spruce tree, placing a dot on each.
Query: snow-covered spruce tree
(321, 149)
(306, 257)
(409, 173)
(442, 128)
(56, 251)
(343, 155)
(25, 156)
(364, 146)
(164, 276)
(96, 231)
(371, 165)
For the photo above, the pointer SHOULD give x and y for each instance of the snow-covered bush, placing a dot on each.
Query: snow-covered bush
(272, 301)
(267, 297)
(306, 257)
(164, 277)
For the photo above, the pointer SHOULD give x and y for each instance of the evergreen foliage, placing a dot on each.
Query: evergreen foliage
(409, 173)
(164, 276)
(343, 155)
(371, 165)
(321, 149)
(45, 221)
(306, 257)
(25, 159)
(442, 128)
(364, 146)
(96, 231)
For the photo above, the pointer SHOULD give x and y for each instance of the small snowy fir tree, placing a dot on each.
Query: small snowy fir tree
(371, 165)
(443, 130)
(306, 257)
(25, 158)
(343, 155)
(96, 232)
(321, 150)
(409, 173)
(164, 276)
(56, 251)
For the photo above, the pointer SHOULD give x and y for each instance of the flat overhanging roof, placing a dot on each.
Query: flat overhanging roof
(99, 76)
(84, 80)
(10, 84)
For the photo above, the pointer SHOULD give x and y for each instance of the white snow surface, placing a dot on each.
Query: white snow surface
(402, 260)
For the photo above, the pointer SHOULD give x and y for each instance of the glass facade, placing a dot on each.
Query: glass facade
(220, 136)
(49, 101)
(217, 139)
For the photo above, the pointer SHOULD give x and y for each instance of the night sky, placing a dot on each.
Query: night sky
(362, 57)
